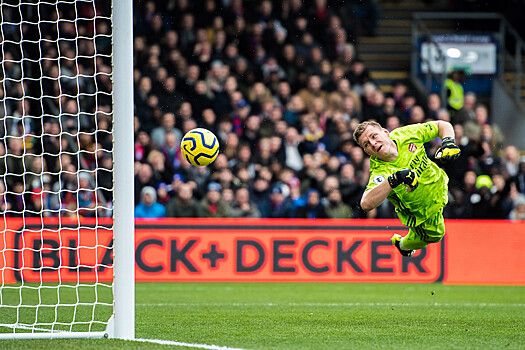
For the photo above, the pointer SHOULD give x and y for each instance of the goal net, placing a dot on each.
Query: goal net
(56, 169)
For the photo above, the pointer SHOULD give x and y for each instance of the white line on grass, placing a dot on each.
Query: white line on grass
(189, 345)
(34, 328)
(335, 304)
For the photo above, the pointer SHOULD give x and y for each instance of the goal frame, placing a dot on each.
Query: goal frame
(122, 323)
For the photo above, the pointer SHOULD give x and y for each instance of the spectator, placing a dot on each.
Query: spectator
(454, 85)
(251, 131)
(358, 75)
(335, 208)
(433, 105)
(187, 33)
(169, 98)
(366, 15)
(519, 179)
(5, 205)
(143, 145)
(260, 195)
(227, 180)
(212, 204)
(63, 189)
(271, 66)
(416, 115)
(14, 163)
(442, 114)
(500, 200)
(184, 205)
(209, 120)
(511, 160)
(480, 199)
(392, 122)
(374, 108)
(313, 208)
(407, 103)
(313, 135)
(88, 200)
(239, 116)
(459, 207)
(330, 183)
(351, 189)
(389, 107)
(293, 111)
(467, 111)
(171, 151)
(17, 199)
(193, 73)
(162, 169)
(292, 144)
(142, 109)
(518, 213)
(312, 91)
(399, 89)
(281, 204)
(144, 177)
(245, 160)
(216, 77)
(243, 207)
(281, 96)
(469, 182)
(148, 206)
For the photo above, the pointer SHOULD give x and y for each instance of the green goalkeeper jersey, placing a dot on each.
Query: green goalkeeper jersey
(431, 195)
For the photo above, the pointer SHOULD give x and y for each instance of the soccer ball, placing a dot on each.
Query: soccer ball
(200, 147)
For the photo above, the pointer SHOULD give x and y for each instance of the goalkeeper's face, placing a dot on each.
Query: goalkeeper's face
(376, 142)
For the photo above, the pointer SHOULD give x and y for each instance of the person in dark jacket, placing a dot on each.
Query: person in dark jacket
(243, 207)
(313, 208)
(281, 204)
(184, 205)
(213, 205)
(335, 208)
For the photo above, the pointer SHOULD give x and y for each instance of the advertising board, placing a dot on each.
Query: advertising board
(262, 250)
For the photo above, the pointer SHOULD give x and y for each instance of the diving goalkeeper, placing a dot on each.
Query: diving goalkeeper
(399, 158)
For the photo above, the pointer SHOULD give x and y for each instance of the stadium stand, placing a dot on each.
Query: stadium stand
(282, 84)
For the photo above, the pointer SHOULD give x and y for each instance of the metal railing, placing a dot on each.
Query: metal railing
(418, 29)
(511, 51)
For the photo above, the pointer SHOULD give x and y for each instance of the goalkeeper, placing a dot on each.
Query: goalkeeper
(399, 158)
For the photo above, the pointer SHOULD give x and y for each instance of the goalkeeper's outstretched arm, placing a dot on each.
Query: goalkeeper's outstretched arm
(373, 197)
(445, 129)
(448, 151)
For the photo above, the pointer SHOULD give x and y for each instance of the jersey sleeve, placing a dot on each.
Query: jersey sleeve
(424, 132)
(378, 175)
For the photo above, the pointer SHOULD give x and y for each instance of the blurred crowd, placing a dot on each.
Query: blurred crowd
(281, 85)
(56, 110)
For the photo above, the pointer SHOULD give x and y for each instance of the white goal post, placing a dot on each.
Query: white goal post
(67, 264)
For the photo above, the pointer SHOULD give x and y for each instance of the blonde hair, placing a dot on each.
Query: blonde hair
(361, 128)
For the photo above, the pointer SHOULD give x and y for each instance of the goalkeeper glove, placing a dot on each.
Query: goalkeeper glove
(406, 177)
(448, 151)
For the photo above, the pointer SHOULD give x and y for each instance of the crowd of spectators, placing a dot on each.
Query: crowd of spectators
(281, 85)
(56, 109)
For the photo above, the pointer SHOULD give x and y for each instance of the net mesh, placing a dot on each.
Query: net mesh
(56, 176)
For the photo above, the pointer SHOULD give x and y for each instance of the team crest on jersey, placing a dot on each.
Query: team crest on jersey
(412, 148)
(378, 179)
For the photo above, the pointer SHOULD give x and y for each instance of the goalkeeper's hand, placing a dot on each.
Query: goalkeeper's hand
(448, 151)
(406, 177)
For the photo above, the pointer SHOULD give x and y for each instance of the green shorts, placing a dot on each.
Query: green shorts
(430, 231)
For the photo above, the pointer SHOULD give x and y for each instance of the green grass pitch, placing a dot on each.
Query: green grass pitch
(319, 316)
